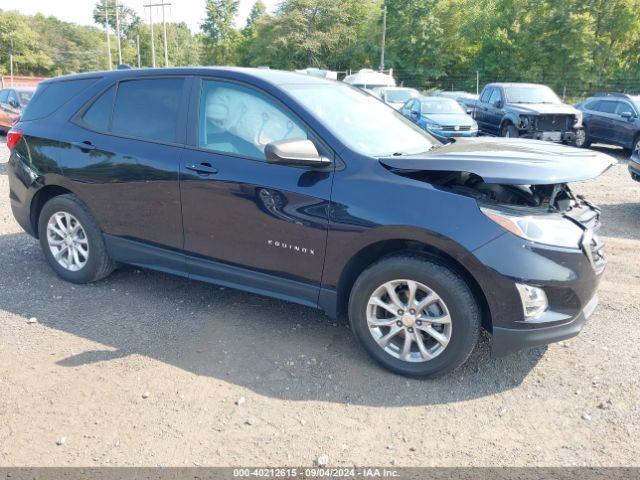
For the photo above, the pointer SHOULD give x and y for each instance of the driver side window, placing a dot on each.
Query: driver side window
(241, 121)
(495, 96)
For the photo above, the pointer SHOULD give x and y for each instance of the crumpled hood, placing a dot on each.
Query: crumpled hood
(510, 161)
(544, 108)
(460, 119)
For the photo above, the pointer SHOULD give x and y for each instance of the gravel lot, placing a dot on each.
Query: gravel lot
(149, 369)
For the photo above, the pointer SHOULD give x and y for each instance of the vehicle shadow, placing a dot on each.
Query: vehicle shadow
(274, 348)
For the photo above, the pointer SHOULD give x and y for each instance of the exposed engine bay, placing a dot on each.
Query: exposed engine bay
(556, 197)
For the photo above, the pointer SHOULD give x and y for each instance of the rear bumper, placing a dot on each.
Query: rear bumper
(506, 341)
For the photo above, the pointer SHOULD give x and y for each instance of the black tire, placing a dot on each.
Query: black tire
(587, 139)
(509, 130)
(452, 289)
(98, 264)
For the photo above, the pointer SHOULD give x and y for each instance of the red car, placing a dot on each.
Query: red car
(12, 103)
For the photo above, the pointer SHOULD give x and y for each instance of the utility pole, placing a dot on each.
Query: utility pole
(11, 62)
(164, 31)
(164, 26)
(138, 47)
(106, 27)
(118, 34)
(384, 36)
(477, 82)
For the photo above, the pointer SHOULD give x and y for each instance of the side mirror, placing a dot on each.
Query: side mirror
(469, 110)
(295, 152)
(626, 115)
(13, 103)
(497, 104)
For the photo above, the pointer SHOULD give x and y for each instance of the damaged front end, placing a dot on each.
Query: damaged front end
(545, 214)
(521, 186)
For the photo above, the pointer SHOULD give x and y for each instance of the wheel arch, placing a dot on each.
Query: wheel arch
(370, 254)
(38, 201)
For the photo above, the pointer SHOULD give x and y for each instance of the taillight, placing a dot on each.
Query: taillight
(13, 137)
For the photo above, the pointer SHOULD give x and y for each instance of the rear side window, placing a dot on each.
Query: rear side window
(51, 96)
(4, 94)
(148, 108)
(607, 107)
(98, 114)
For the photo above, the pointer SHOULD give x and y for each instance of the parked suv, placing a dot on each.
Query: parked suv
(525, 110)
(612, 118)
(311, 191)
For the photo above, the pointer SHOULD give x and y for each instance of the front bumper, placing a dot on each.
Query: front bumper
(568, 276)
(565, 137)
(506, 341)
(447, 135)
(634, 168)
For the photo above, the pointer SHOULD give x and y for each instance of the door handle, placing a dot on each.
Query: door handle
(203, 168)
(86, 145)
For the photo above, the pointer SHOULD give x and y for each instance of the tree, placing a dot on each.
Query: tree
(257, 11)
(220, 38)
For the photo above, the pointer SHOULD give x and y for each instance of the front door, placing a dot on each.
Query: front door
(248, 223)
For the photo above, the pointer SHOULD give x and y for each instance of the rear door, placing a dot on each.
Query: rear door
(248, 223)
(121, 156)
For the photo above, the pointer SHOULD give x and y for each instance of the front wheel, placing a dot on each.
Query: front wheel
(509, 131)
(72, 241)
(582, 138)
(414, 316)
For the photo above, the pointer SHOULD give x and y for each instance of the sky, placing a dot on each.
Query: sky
(80, 11)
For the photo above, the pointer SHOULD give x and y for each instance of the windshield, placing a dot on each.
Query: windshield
(531, 94)
(400, 96)
(362, 122)
(24, 97)
(441, 106)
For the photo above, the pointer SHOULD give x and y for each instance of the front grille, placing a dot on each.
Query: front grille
(554, 123)
(453, 128)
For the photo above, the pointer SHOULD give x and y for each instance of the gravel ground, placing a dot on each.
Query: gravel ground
(148, 369)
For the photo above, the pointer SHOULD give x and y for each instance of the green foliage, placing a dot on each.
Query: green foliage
(575, 46)
(220, 37)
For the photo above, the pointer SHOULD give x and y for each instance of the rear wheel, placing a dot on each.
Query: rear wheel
(72, 241)
(509, 131)
(414, 316)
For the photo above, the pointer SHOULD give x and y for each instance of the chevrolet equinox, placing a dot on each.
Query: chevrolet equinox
(311, 191)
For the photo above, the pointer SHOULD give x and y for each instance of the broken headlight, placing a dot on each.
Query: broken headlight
(550, 229)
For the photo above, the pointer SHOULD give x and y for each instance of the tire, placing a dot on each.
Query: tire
(509, 130)
(636, 146)
(586, 142)
(97, 263)
(449, 287)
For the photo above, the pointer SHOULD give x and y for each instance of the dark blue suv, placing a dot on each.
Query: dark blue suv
(612, 118)
(311, 191)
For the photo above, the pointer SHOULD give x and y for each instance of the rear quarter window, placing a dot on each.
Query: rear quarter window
(51, 96)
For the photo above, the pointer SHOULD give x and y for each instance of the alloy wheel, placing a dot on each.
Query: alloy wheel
(408, 320)
(581, 136)
(67, 241)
